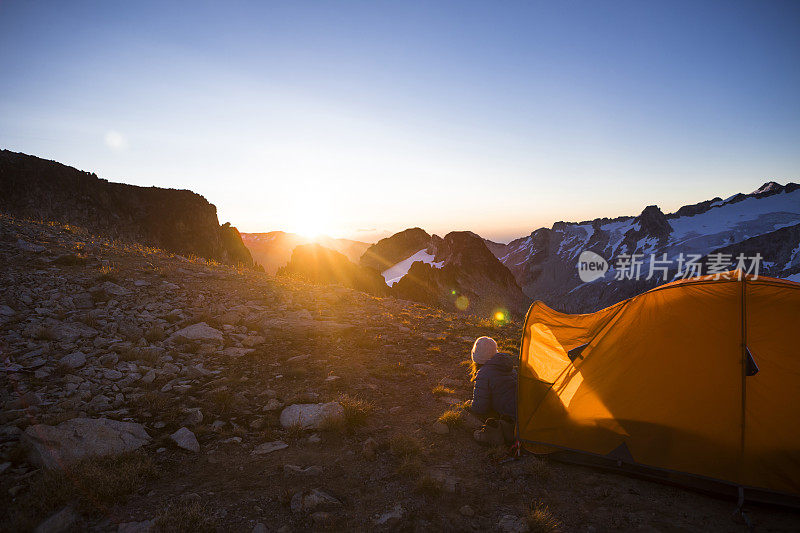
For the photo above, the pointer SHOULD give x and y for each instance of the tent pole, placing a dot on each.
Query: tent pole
(744, 373)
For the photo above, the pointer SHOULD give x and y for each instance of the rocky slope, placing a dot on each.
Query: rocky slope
(273, 249)
(178, 395)
(765, 221)
(179, 221)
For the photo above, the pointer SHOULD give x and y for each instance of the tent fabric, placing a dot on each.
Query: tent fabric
(661, 380)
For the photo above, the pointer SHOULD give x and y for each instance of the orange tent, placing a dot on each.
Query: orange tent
(699, 377)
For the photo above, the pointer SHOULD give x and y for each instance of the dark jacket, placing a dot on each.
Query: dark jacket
(496, 387)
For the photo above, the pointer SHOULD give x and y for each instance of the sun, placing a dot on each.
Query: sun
(312, 224)
(309, 231)
(312, 217)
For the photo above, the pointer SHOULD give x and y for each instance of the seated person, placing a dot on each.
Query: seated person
(495, 390)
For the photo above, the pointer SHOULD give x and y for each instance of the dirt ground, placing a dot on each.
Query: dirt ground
(395, 366)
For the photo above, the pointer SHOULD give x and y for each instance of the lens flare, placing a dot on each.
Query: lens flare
(500, 316)
(462, 302)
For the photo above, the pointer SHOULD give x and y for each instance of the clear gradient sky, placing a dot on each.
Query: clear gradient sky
(353, 118)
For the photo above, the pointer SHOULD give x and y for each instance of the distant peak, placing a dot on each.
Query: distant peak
(653, 221)
(768, 187)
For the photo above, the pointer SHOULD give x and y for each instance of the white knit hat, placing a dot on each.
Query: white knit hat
(484, 349)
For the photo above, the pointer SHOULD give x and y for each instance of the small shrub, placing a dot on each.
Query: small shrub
(453, 418)
(185, 516)
(160, 405)
(223, 400)
(409, 467)
(94, 485)
(441, 390)
(356, 411)
(541, 520)
(354, 416)
(107, 273)
(404, 445)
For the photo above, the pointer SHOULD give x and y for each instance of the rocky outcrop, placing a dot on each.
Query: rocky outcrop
(391, 250)
(468, 278)
(81, 438)
(178, 221)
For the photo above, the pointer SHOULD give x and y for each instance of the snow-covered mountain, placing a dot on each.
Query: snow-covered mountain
(712, 234)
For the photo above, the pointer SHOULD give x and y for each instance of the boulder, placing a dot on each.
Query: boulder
(200, 332)
(79, 438)
(112, 289)
(310, 415)
(73, 360)
(185, 439)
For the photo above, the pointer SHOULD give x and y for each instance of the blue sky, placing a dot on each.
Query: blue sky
(355, 118)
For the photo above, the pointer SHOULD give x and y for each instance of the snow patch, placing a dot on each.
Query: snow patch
(395, 273)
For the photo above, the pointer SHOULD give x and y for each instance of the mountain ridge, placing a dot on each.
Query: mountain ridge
(179, 221)
(544, 263)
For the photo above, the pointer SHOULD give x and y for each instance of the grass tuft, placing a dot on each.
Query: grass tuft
(441, 390)
(404, 445)
(93, 485)
(356, 412)
(541, 520)
(452, 418)
(185, 516)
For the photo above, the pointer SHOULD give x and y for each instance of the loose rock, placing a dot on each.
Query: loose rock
(79, 438)
(185, 439)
